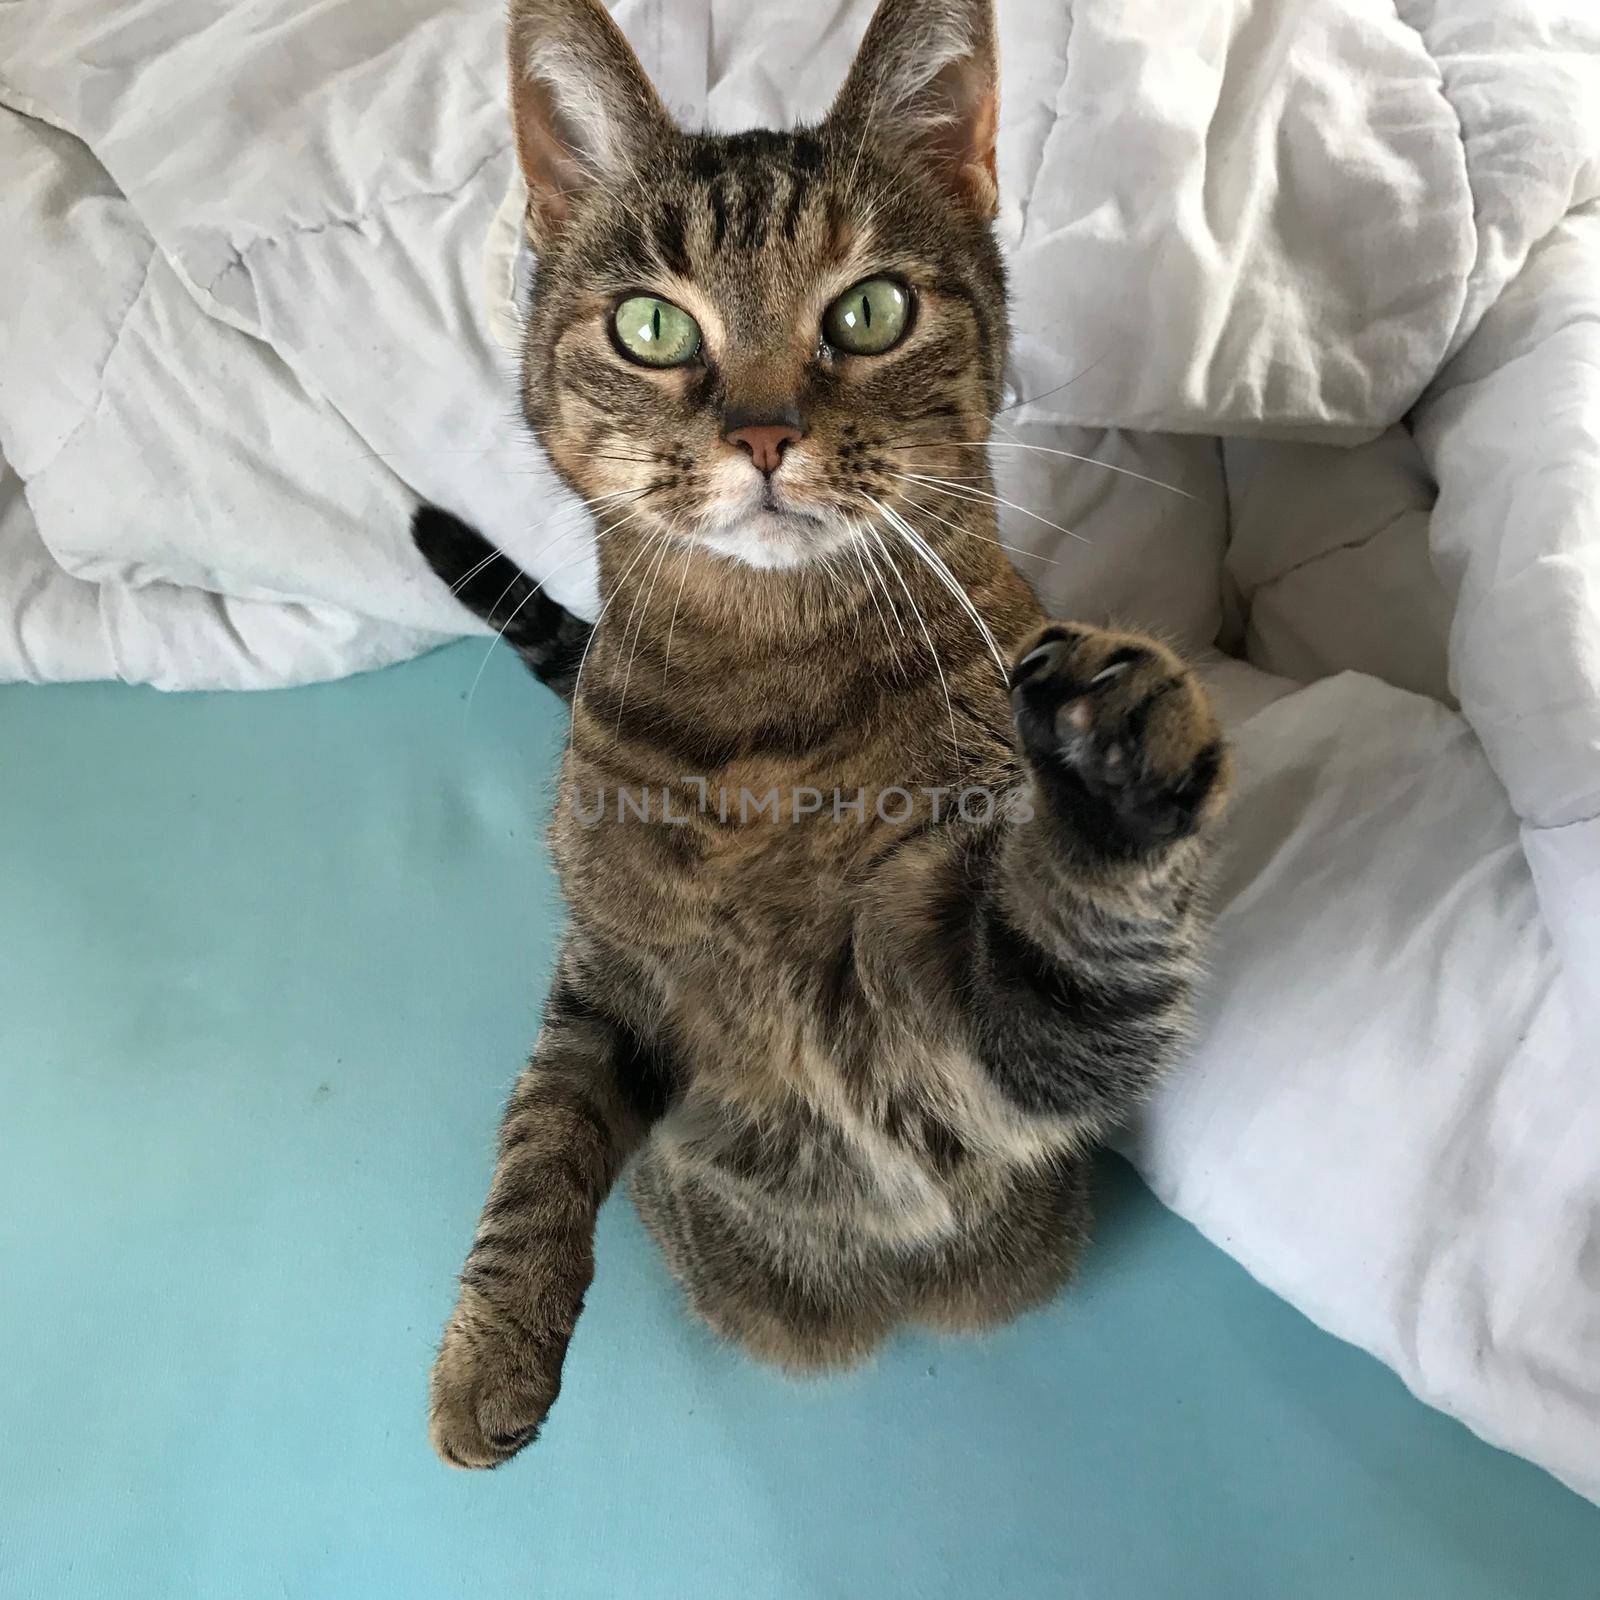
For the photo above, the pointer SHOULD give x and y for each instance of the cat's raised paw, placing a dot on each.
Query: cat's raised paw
(489, 1393)
(1120, 735)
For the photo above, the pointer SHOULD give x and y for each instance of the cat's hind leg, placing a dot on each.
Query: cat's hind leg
(1014, 1255)
(790, 1302)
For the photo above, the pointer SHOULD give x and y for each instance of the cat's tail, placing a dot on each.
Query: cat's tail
(492, 586)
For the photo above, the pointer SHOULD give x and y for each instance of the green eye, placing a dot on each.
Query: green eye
(655, 332)
(869, 318)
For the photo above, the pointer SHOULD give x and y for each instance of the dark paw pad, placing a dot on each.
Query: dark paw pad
(1120, 735)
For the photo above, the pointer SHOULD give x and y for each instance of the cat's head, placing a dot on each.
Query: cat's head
(746, 340)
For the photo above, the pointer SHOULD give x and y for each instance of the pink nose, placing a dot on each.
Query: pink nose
(764, 442)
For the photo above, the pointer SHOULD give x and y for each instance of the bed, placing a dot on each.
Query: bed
(1315, 287)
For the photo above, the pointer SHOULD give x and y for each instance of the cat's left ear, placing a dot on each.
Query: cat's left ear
(583, 109)
(926, 82)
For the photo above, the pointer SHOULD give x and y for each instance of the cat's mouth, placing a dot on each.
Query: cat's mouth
(770, 499)
(771, 534)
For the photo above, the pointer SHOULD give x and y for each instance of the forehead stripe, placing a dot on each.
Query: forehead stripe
(799, 187)
(753, 234)
(670, 239)
(719, 212)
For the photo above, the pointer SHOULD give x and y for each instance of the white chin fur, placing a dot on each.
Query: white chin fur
(774, 541)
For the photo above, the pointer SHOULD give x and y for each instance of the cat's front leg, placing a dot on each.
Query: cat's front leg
(1087, 931)
(1122, 741)
(578, 1111)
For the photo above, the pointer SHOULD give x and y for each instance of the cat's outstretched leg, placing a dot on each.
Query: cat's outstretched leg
(1087, 930)
(578, 1111)
(1123, 742)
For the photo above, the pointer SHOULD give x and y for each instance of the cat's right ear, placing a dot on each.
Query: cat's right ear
(581, 105)
(926, 82)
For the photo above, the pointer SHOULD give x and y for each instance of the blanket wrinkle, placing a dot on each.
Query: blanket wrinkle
(122, 320)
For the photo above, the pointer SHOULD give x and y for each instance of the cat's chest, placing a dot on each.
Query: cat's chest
(690, 872)
(758, 863)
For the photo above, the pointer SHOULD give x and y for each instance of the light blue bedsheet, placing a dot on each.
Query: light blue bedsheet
(267, 967)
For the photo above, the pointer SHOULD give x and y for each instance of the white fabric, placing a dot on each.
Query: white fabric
(248, 318)
(1393, 1117)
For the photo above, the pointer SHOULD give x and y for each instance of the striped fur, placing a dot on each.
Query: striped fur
(854, 1060)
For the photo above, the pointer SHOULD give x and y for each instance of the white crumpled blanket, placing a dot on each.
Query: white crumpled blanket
(1331, 267)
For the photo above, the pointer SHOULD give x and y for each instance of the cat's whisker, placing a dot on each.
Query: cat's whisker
(637, 461)
(606, 605)
(501, 631)
(916, 611)
(523, 452)
(611, 497)
(855, 548)
(665, 541)
(583, 525)
(955, 527)
(822, 563)
(939, 486)
(666, 654)
(516, 572)
(433, 450)
(1033, 399)
(935, 563)
(1043, 449)
(472, 572)
(870, 555)
(658, 541)
(1014, 549)
(585, 512)
(861, 145)
(836, 564)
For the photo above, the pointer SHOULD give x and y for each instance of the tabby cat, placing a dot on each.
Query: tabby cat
(885, 892)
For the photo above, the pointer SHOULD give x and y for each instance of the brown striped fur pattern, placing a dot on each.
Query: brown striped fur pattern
(855, 1058)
